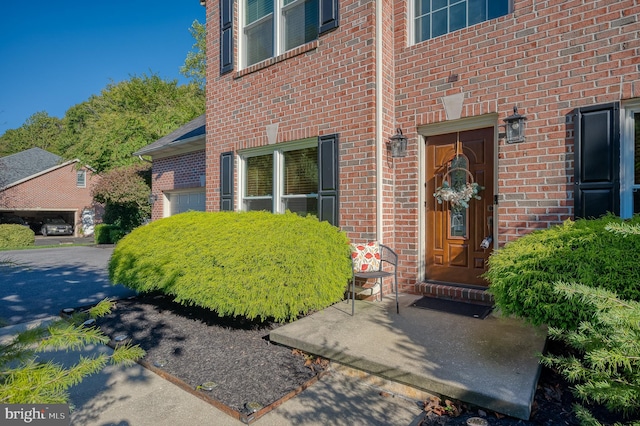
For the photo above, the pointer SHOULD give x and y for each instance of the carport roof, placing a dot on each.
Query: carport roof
(187, 138)
(18, 167)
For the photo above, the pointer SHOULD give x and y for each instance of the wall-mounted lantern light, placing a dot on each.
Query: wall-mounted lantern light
(153, 198)
(515, 125)
(398, 144)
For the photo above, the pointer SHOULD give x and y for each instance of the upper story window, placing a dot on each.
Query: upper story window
(81, 179)
(433, 18)
(272, 27)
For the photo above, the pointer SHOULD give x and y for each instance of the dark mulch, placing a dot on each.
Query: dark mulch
(197, 346)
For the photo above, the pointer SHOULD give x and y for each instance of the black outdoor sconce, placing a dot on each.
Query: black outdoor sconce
(152, 198)
(515, 125)
(398, 144)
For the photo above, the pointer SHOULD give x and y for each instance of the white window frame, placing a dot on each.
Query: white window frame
(411, 36)
(278, 29)
(627, 156)
(82, 173)
(277, 151)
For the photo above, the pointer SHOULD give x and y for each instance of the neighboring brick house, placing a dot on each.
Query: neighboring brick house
(178, 170)
(302, 99)
(36, 184)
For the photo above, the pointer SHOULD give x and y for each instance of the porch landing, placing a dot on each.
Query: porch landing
(490, 363)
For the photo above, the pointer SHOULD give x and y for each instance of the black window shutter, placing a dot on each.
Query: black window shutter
(328, 15)
(226, 181)
(226, 36)
(328, 178)
(597, 161)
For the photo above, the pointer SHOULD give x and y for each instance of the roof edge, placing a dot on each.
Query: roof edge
(49, 170)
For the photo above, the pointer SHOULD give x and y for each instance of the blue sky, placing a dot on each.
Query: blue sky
(56, 54)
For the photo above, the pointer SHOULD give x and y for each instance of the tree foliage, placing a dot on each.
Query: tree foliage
(106, 130)
(195, 66)
(40, 130)
(27, 380)
(125, 192)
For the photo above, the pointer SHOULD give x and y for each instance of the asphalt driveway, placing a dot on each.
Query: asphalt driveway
(38, 283)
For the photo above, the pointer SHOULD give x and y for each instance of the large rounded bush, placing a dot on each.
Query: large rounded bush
(250, 264)
(14, 236)
(523, 273)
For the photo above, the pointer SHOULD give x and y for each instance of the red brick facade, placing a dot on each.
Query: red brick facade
(53, 192)
(545, 57)
(173, 173)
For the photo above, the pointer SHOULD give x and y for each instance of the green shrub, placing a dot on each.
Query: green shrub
(249, 264)
(107, 234)
(606, 367)
(116, 234)
(13, 236)
(522, 274)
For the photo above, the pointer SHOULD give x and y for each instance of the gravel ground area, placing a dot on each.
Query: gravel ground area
(197, 346)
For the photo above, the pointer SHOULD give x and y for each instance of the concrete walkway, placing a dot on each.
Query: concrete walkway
(134, 396)
(491, 363)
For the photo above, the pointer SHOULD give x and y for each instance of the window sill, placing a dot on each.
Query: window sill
(271, 61)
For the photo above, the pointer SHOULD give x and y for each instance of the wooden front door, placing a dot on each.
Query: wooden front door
(454, 236)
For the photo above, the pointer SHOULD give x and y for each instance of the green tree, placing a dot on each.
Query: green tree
(24, 379)
(125, 193)
(40, 130)
(106, 130)
(195, 66)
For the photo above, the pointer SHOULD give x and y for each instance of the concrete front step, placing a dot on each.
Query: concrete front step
(490, 363)
(368, 379)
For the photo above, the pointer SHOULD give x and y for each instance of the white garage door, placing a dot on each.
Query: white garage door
(180, 202)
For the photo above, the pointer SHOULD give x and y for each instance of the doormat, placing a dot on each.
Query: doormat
(453, 307)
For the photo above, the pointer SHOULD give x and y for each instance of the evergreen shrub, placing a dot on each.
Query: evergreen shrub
(605, 367)
(248, 264)
(14, 236)
(522, 274)
(107, 234)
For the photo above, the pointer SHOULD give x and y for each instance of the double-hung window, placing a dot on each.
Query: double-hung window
(81, 179)
(282, 178)
(433, 18)
(272, 27)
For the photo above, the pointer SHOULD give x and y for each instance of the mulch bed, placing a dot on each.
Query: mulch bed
(196, 346)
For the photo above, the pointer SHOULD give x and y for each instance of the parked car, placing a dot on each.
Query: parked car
(56, 226)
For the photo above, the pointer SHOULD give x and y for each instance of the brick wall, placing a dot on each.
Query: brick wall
(176, 172)
(323, 88)
(53, 191)
(547, 57)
